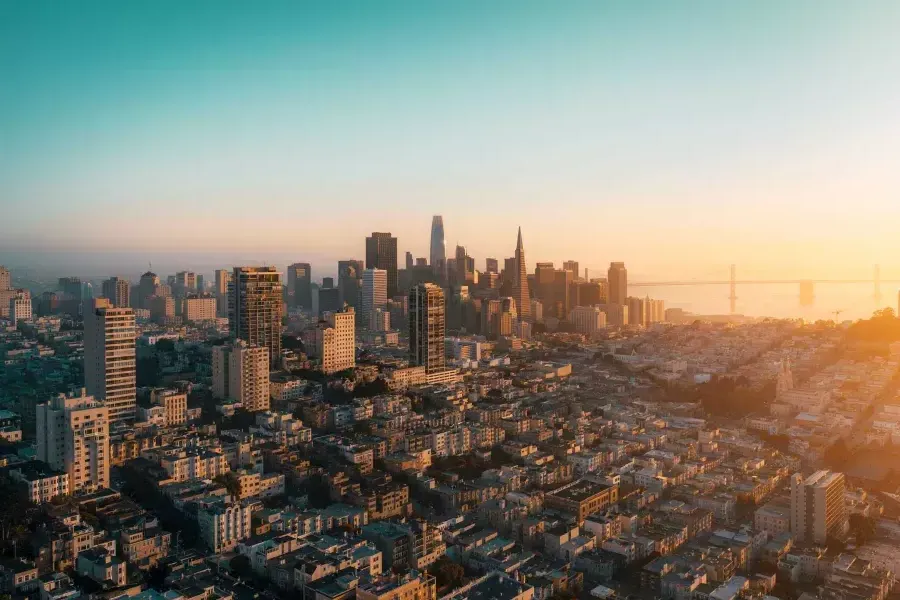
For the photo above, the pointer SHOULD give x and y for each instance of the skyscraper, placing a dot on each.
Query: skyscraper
(73, 436)
(5, 279)
(381, 253)
(818, 509)
(618, 283)
(146, 288)
(223, 276)
(409, 261)
(349, 281)
(185, 283)
(118, 290)
(299, 285)
(254, 308)
(110, 367)
(374, 293)
(491, 265)
(438, 254)
(520, 281)
(427, 326)
(572, 265)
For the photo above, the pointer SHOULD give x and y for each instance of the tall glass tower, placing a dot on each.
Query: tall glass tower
(438, 256)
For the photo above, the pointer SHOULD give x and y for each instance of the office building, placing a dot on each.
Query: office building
(818, 509)
(185, 283)
(109, 357)
(427, 326)
(381, 253)
(520, 281)
(20, 306)
(409, 261)
(374, 293)
(465, 267)
(350, 281)
(147, 287)
(638, 311)
(336, 341)
(491, 265)
(73, 437)
(162, 308)
(223, 278)
(616, 314)
(241, 373)
(299, 286)
(201, 284)
(255, 307)
(381, 320)
(537, 311)
(326, 299)
(199, 307)
(73, 290)
(571, 266)
(589, 293)
(438, 254)
(617, 278)
(587, 319)
(5, 278)
(118, 291)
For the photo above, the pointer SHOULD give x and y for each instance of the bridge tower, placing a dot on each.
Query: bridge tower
(732, 286)
(876, 295)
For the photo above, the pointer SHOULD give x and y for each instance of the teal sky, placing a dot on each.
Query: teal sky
(672, 135)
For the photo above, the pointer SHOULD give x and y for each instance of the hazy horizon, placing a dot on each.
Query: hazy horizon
(679, 140)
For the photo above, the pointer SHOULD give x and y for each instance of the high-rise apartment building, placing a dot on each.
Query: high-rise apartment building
(6, 291)
(109, 357)
(20, 306)
(255, 307)
(381, 253)
(520, 281)
(299, 285)
(438, 253)
(223, 278)
(617, 276)
(118, 291)
(199, 307)
(818, 509)
(427, 326)
(336, 341)
(241, 373)
(73, 437)
(374, 293)
(587, 319)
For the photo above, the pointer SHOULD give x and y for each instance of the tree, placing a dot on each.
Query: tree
(231, 483)
(448, 573)
(862, 528)
(240, 566)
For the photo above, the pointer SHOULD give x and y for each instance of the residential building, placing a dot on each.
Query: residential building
(73, 437)
(414, 585)
(818, 508)
(223, 278)
(118, 291)
(173, 402)
(110, 367)
(241, 373)
(223, 525)
(42, 483)
(20, 306)
(199, 307)
(336, 341)
(587, 319)
(374, 293)
(582, 498)
(427, 326)
(255, 308)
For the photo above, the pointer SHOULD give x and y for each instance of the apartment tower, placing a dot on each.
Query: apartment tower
(241, 373)
(427, 326)
(109, 357)
(255, 307)
(817, 506)
(73, 437)
(617, 278)
(118, 291)
(336, 341)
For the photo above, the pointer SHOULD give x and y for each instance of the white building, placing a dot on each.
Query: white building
(587, 319)
(241, 373)
(41, 483)
(222, 525)
(381, 320)
(336, 341)
(110, 367)
(73, 436)
(374, 293)
(818, 507)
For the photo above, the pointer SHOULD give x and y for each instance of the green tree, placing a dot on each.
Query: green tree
(240, 566)
(448, 573)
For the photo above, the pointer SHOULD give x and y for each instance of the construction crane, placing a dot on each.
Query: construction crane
(836, 313)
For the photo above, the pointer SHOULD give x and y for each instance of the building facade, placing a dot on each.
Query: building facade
(255, 308)
(818, 509)
(427, 327)
(241, 373)
(381, 253)
(336, 341)
(110, 367)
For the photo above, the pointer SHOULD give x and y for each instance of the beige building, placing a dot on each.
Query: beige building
(414, 585)
(587, 319)
(255, 306)
(199, 307)
(73, 436)
(374, 294)
(818, 509)
(20, 306)
(109, 357)
(162, 308)
(336, 341)
(174, 404)
(118, 291)
(223, 525)
(241, 373)
(223, 278)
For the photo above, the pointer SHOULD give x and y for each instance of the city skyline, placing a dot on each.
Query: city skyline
(757, 129)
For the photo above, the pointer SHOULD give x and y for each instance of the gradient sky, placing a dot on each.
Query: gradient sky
(676, 136)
